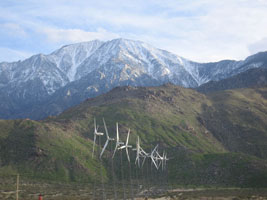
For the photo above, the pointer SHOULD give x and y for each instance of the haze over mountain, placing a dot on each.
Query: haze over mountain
(45, 85)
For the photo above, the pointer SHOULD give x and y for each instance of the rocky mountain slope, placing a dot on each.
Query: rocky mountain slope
(216, 139)
(76, 72)
(251, 78)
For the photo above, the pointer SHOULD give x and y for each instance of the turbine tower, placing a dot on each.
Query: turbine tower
(165, 159)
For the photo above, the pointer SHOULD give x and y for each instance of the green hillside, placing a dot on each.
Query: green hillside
(215, 139)
(238, 119)
(45, 150)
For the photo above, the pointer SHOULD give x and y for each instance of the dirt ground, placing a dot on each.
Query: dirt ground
(56, 191)
(215, 194)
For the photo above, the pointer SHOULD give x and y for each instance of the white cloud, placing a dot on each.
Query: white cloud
(13, 29)
(224, 31)
(201, 30)
(60, 36)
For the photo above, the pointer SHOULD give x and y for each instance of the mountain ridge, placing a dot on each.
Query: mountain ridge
(251, 78)
(84, 70)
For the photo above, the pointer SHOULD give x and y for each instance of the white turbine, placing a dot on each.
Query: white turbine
(161, 160)
(153, 157)
(126, 146)
(144, 155)
(165, 159)
(118, 142)
(108, 139)
(95, 134)
(140, 153)
(137, 149)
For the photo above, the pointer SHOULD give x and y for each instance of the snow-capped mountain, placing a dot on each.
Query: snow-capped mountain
(133, 59)
(78, 71)
(68, 58)
(54, 70)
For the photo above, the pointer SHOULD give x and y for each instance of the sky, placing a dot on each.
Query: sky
(199, 30)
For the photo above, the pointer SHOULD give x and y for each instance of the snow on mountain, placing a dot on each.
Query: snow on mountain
(72, 62)
(120, 54)
(69, 57)
(54, 70)
(87, 69)
(35, 67)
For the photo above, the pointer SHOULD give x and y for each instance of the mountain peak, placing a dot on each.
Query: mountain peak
(122, 43)
(75, 46)
(88, 69)
(125, 40)
(69, 57)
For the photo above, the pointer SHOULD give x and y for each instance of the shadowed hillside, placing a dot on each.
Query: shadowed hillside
(248, 79)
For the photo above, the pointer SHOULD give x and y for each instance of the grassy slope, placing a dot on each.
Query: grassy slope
(219, 169)
(167, 114)
(183, 121)
(238, 119)
(45, 150)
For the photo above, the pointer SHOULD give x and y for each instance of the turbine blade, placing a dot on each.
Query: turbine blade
(143, 161)
(155, 149)
(105, 146)
(127, 154)
(154, 162)
(127, 140)
(122, 147)
(95, 125)
(117, 131)
(105, 127)
(116, 147)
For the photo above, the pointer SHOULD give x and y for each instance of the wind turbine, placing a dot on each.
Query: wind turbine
(159, 159)
(95, 134)
(126, 146)
(144, 155)
(165, 159)
(140, 153)
(137, 149)
(154, 157)
(118, 142)
(137, 160)
(108, 139)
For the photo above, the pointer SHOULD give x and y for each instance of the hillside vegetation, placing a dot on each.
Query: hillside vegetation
(219, 138)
